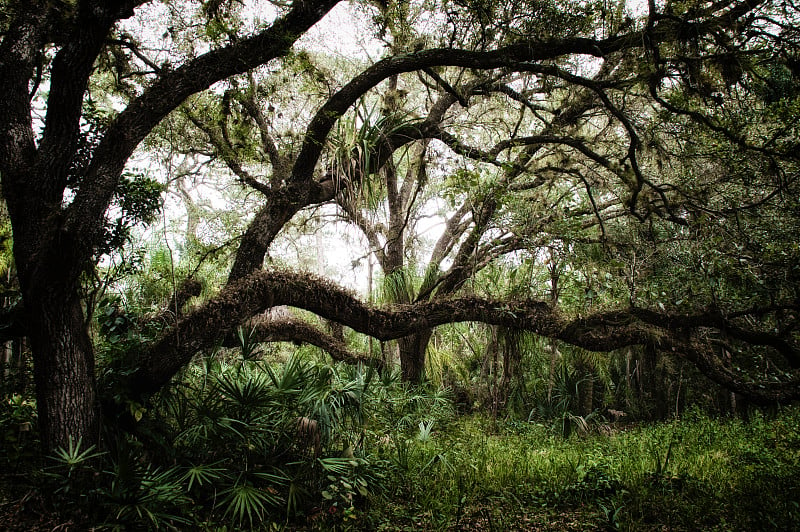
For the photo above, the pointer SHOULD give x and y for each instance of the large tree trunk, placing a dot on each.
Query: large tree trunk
(63, 366)
(412, 355)
(49, 271)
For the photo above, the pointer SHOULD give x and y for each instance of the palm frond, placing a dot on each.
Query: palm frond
(247, 501)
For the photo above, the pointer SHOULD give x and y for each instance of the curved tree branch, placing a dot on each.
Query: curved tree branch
(300, 332)
(301, 190)
(165, 94)
(605, 331)
(224, 149)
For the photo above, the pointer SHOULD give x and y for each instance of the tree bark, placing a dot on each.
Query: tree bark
(412, 355)
(603, 331)
(63, 371)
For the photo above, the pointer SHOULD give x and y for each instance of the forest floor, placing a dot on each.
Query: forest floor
(474, 473)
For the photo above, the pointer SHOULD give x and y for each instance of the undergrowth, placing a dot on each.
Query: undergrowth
(689, 474)
(238, 444)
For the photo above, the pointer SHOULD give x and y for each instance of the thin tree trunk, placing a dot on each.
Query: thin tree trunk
(19, 363)
(628, 381)
(551, 378)
(5, 370)
(371, 300)
(495, 391)
(678, 395)
(387, 354)
(511, 362)
(585, 372)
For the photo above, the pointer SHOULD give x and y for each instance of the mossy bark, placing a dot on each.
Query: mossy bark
(412, 355)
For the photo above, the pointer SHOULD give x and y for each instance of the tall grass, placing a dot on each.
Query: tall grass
(690, 474)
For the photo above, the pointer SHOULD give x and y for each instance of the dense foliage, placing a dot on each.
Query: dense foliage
(269, 264)
(229, 446)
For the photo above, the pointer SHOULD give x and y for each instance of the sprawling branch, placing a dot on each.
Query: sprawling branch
(164, 95)
(719, 321)
(301, 190)
(297, 194)
(523, 56)
(281, 165)
(71, 69)
(19, 55)
(223, 148)
(604, 331)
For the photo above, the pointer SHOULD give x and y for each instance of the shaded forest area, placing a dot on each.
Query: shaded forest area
(406, 264)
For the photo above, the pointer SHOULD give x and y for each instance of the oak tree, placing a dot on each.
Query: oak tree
(693, 66)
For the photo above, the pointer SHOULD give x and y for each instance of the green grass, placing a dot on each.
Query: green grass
(696, 473)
